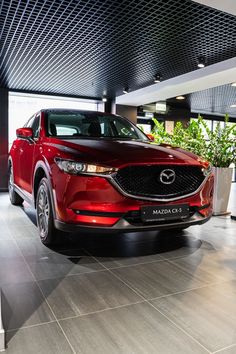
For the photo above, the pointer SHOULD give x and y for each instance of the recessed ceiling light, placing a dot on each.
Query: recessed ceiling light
(180, 98)
(126, 90)
(201, 62)
(233, 84)
(104, 99)
(157, 78)
(233, 105)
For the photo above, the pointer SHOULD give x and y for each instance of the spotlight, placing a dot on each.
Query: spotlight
(126, 89)
(233, 84)
(180, 98)
(104, 99)
(201, 62)
(157, 78)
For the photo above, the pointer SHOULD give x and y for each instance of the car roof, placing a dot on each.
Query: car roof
(69, 110)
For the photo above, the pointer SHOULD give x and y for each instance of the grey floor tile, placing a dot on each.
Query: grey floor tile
(191, 245)
(15, 215)
(228, 350)
(157, 279)
(207, 314)
(54, 265)
(210, 266)
(4, 231)
(46, 338)
(23, 305)
(14, 271)
(86, 293)
(33, 247)
(23, 231)
(9, 249)
(219, 232)
(135, 329)
(114, 262)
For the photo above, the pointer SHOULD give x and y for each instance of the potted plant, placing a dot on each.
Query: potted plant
(217, 146)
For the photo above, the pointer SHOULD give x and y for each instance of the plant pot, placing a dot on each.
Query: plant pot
(222, 187)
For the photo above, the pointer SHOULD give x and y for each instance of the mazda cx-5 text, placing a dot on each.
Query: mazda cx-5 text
(95, 171)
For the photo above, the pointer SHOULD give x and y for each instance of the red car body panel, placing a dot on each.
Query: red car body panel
(96, 194)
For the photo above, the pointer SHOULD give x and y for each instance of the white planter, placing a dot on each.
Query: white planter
(222, 186)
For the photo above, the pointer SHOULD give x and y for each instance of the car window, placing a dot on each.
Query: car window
(36, 126)
(33, 123)
(90, 124)
(62, 130)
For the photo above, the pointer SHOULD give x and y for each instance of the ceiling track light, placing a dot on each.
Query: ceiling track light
(201, 62)
(180, 97)
(126, 89)
(157, 78)
(233, 84)
(104, 99)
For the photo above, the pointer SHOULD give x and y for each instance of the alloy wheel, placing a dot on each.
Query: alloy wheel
(43, 211)
(10, 182)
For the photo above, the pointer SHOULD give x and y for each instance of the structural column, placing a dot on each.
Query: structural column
(3, 138)
(129, 112)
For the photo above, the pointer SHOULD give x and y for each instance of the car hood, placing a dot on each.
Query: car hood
(118, 153)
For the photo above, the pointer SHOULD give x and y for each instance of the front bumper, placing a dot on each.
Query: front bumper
(124, 226)
(93, 204)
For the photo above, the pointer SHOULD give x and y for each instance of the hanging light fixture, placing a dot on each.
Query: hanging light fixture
(126, 89)
(157, 78)
(201, 62)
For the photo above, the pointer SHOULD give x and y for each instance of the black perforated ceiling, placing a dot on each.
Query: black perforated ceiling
(87, 47)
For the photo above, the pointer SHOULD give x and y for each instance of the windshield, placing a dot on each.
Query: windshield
(69, 124)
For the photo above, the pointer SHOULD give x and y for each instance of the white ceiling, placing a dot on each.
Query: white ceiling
(201, 79)
(228, 6)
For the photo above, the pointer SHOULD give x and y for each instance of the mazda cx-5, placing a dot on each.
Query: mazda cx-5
(96, 171)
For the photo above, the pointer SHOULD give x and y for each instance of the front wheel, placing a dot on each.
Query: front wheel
(47, 231)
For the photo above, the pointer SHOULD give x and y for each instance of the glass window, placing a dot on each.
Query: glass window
(70, 124)
(22, 106)
(33, 123)
(35, 126)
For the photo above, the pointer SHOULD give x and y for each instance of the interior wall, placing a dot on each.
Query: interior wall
(129, 112)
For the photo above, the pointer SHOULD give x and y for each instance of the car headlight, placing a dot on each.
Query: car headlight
(74, 167)
(207, 170)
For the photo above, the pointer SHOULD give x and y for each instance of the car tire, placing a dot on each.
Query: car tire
(15, 198)
(47, 231)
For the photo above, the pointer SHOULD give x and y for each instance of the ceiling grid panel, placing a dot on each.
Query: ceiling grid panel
(88, 47)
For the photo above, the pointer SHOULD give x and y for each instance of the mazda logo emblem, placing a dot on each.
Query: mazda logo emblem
(167, 176)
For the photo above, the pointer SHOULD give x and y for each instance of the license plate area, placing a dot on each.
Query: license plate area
(164, 212)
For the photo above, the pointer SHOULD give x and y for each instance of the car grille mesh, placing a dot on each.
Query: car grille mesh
(144, 181)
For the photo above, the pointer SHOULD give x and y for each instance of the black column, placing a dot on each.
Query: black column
(108, 106)
(3, 138)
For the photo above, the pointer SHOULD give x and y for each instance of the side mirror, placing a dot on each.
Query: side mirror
(150, 137)
(26, 133)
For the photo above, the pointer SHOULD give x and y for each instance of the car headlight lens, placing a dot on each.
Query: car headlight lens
(74, 167)
(207, 170)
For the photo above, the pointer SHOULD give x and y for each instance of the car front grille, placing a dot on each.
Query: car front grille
(145, 181)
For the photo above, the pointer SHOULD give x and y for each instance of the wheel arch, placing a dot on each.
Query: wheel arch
(40, 172)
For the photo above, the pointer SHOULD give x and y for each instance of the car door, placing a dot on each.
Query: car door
(27, 156)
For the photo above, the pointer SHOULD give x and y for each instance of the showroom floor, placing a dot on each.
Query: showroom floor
(134, 293)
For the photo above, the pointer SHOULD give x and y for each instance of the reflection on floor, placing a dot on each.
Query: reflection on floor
(130, 293)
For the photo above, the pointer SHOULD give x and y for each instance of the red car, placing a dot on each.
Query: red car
(98, 171)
